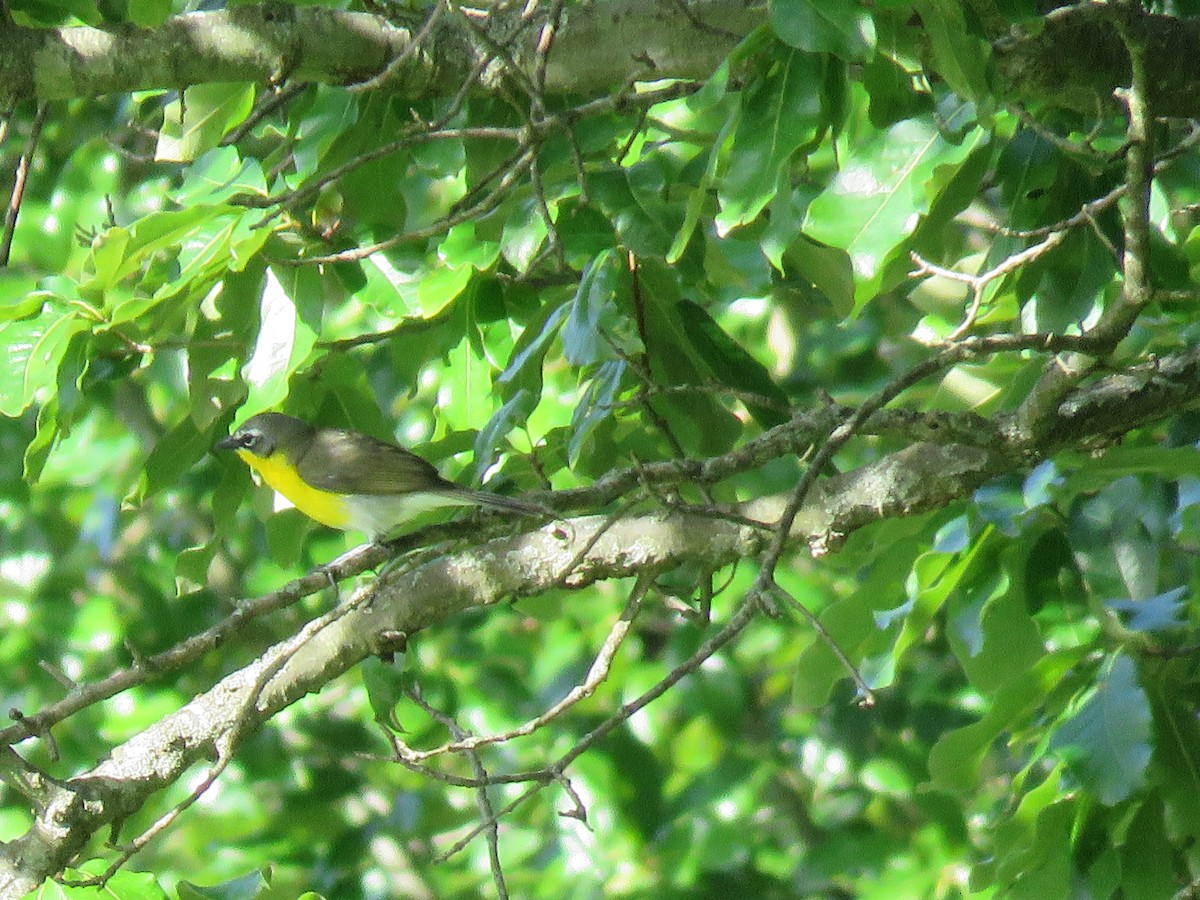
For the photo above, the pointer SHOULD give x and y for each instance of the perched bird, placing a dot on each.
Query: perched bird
(350, 480)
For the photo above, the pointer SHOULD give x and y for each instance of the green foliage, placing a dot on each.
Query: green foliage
(675, 277)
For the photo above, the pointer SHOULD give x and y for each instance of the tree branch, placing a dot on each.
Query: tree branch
(596, 45)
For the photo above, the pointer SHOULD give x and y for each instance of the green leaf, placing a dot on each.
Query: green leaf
(994, 636)
(733, 366)
(34, 347)
(149, 13)
(698, 198)
(22, 299)
(878, 197)
(216, 351)
(246, 887)
(461, 247)
(1088, 474)
(525, 364)
(126, 884)
(1043, 869)
(513, 414)
(644, 224)
(584, 334)
(289, 323)
(779, 115)
(595, 407)
(196, 124)
(959, 56)
(1107, 742)
(1147, 860)
(956, 757)
(44, 439)
(385, 682)
(524, 234)
(819, 26)
(180, 448)
(892, 92)
(219, 175)
(1160, 612)
(827, 269)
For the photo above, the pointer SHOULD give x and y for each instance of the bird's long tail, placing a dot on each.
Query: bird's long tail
(498, 501)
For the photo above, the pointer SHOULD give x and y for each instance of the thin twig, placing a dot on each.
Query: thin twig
(19, 180)
(597, 673)
(226, 744)
(978, 283)
(404, 55)
(486, 811)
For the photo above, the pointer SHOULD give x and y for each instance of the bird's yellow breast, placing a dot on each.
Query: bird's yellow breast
(327, 508)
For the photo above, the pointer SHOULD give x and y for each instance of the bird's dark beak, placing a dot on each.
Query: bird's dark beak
(232, 442)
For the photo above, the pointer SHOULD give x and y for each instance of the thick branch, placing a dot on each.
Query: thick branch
(599, 45)
(1075, 57)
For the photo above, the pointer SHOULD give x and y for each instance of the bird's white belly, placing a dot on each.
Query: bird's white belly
(378, 514)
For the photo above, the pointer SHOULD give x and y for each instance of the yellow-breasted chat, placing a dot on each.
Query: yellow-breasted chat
(350, 480)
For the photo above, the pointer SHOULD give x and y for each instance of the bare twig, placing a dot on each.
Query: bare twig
(19, 181)
(404, 55)
(486, 811)
(978, 283)
(1037, 410)
(597, 673)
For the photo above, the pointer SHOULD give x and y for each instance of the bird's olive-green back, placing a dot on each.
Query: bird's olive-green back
(346, 462)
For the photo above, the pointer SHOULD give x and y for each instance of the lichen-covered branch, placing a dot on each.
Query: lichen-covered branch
(597, 45)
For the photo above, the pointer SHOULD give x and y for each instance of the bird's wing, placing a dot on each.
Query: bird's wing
(344, 462)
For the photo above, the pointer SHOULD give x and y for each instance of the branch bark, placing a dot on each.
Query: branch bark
(1073, 57)
(599, 45)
